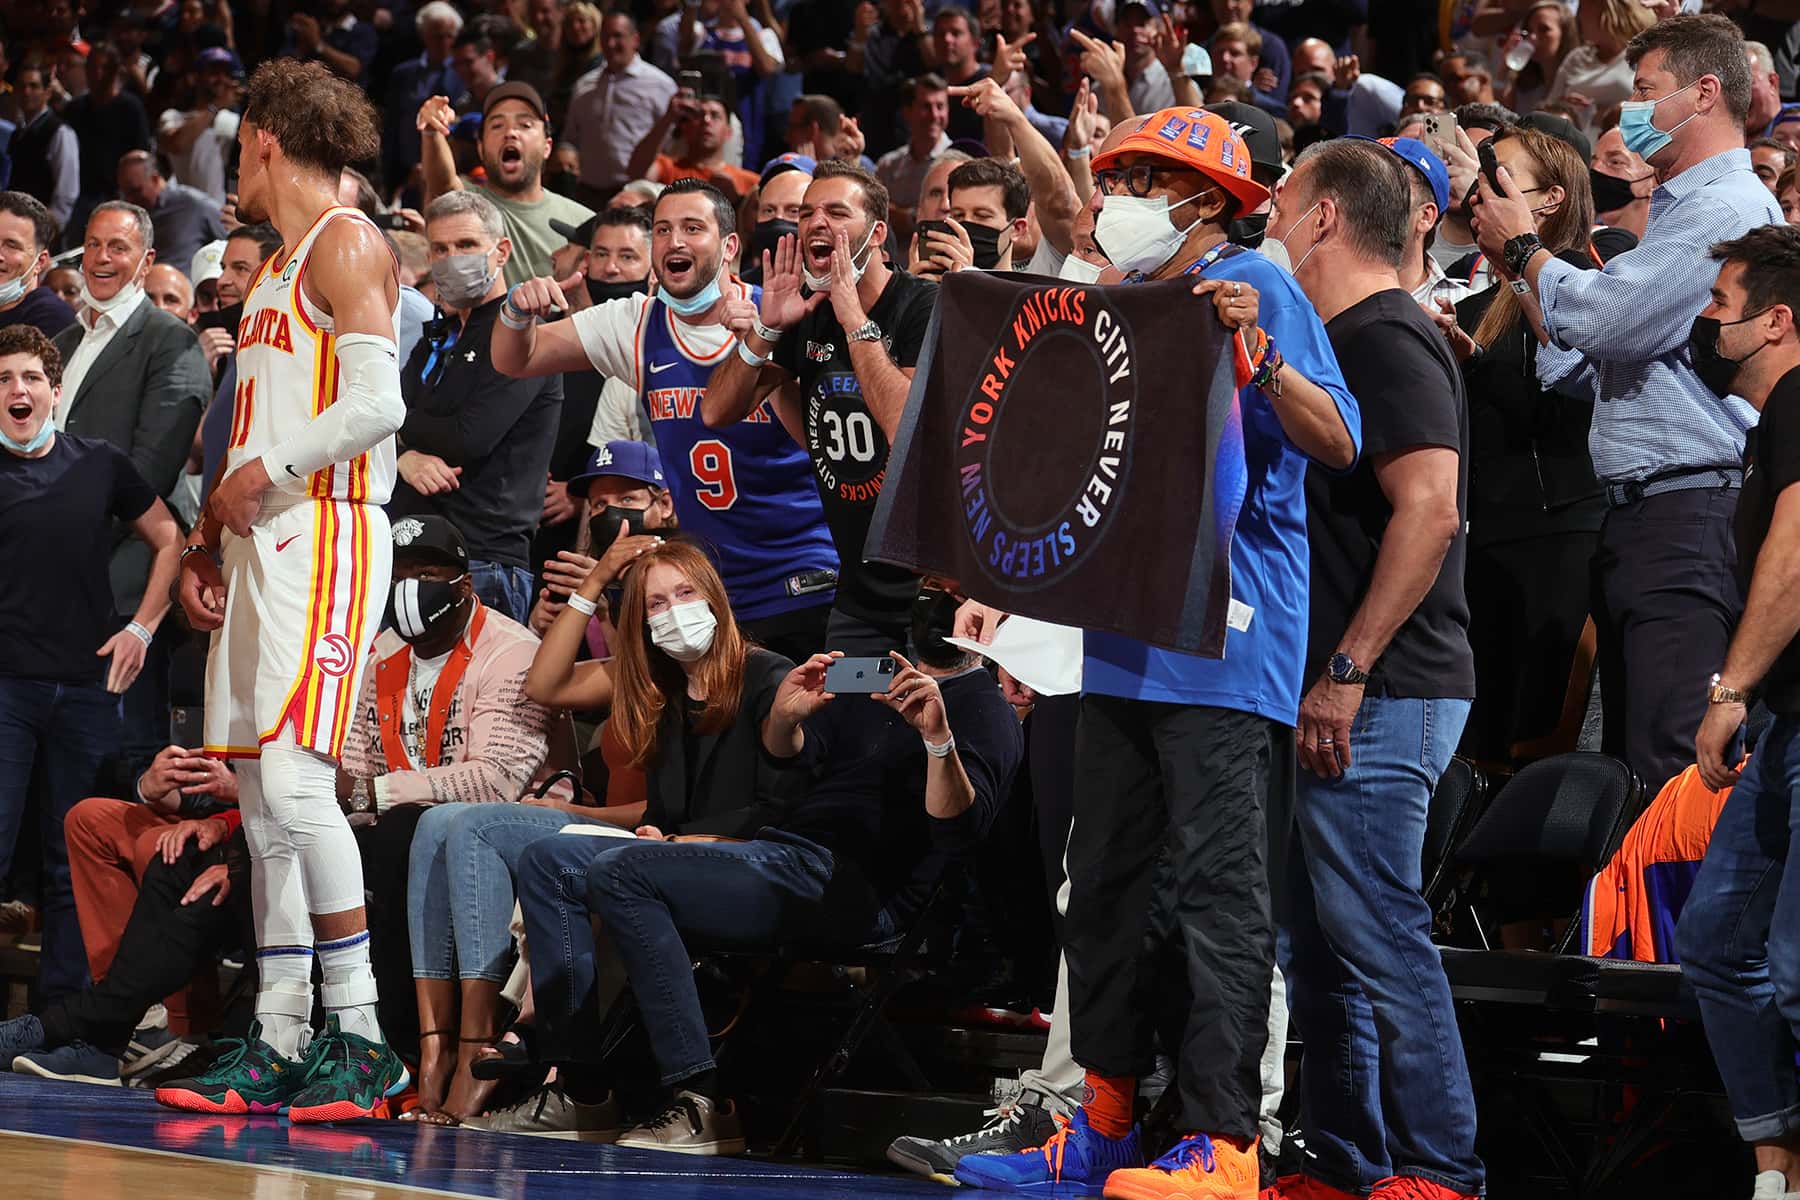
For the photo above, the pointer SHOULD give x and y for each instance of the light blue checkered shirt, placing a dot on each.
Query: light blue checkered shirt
(1620, 335)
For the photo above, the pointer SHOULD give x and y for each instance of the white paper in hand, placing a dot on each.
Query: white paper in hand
(1045, 658)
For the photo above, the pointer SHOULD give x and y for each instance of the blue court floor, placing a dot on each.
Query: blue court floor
(81, 1142)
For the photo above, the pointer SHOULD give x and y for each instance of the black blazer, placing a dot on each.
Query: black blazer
(144, 394)
(739, 788)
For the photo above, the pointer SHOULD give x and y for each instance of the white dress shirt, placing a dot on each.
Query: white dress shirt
(100, 329)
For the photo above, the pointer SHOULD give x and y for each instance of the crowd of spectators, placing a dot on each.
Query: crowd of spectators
(1511, 291)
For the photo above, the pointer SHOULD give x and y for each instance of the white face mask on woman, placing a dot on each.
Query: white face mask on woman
(684, 632)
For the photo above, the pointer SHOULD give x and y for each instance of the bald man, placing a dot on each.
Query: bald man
(169, 290)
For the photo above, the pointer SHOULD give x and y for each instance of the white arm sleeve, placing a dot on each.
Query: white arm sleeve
(369, 410)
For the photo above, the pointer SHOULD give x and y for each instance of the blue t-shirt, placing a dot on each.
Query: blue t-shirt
(744, 491)
(1265, 646)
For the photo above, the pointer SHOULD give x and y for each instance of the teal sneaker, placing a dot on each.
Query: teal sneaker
(347, 1077)
(248, 1078)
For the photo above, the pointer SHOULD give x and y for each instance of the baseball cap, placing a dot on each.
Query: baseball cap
(783, 163)
(1196, 63)
(1563, 130)
(1150, 6)
(1257, 128)
(626, 460)
(1199, 140)
(515, 90)
(1424, 160)
(431, 536)
(577, 235)
(467, 126)
(209, 262)
(221, 56)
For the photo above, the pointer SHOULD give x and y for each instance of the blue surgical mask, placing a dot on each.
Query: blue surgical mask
(45, 432)
(1641, 136)
(12, 289)
(697, 303)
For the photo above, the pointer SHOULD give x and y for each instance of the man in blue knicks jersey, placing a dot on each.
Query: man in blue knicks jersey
(745, 492)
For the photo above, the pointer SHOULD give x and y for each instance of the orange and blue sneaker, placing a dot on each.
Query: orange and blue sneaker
(347, 1077)
(1195, 1168)
(249, 1077)
(1076, 1161)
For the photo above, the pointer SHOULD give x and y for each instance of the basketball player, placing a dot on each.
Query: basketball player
(288, 566)
(745, 492)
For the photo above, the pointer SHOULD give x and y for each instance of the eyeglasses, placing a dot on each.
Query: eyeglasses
(1138, 178)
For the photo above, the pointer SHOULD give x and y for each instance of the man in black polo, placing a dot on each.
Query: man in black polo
(476, 444)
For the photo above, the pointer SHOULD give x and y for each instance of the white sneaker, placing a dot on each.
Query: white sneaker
(1772, 1185)
(692, 1124)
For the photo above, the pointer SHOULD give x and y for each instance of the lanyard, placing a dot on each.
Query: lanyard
(393, 676)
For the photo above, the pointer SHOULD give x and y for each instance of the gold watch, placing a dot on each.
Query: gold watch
(1718, 693)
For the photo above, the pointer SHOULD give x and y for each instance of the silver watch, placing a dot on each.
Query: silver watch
(362, 799)
(868, 331)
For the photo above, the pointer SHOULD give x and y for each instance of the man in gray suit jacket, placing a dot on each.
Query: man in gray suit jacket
(136, 377)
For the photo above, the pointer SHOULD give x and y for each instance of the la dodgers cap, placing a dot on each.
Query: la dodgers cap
(1421, 158)
(626, 460)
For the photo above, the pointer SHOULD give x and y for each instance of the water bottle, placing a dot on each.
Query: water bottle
(1520, 54)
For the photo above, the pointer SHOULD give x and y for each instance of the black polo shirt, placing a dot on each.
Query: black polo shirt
(1771, 466)
(498, 429)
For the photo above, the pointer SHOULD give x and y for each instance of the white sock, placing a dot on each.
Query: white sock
(349, 985)
(284, 998)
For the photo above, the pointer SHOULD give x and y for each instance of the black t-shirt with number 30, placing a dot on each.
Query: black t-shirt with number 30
(849, 452)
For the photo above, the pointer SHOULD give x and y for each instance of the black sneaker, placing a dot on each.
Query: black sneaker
(1016, 1125)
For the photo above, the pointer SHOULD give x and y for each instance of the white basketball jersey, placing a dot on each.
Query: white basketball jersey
(287, 374)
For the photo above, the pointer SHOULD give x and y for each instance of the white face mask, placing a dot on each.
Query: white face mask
(822, 283)
(1135, 232)
(1276, 251)
(684, 632)
(1077, 269)
(123, 298)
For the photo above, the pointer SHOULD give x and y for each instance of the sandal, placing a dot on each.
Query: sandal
(413, 1111)
(504, 1058)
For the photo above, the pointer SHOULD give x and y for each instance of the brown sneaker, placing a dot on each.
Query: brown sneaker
(692, 1124)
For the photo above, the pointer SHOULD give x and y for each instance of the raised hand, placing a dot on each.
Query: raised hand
(1105, 62)
(915, 696)
(1010, 57)
(988, 99)
(1170, 42)
(1083, 119)
(536, 297)
(782, 304)
(802, 693)
(436, 115)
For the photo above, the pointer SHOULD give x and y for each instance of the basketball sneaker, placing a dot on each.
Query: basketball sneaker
(249, 1077)
(1075, 1161)
(1195, 1168)
(347, 1077)
(1016, 1124)
(1304, 1187)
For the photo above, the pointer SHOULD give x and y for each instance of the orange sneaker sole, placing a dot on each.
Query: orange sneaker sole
(338, 1110)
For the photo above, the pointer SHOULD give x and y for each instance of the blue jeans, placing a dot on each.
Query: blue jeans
(738, 895)
(1385, 1085)
(505, 589)
(1746, 978)
(460, 882)
(54, 738)
(553, 883)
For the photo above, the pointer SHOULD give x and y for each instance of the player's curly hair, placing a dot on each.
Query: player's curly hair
(320, 120)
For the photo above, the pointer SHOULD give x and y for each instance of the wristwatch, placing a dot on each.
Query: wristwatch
(1343, 669)
(1718, 693)
(1518, 251)
(361, 798)
(868, 331)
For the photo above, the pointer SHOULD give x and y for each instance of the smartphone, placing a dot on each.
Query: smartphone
(692, 82)
(1490, 165)
(808, 582)
(184, 727)
(1440, 130)
(859, 676)
(389, 220)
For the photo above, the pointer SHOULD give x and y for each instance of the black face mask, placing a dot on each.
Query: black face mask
(1611, 193)
(985, 241)
(1249, 231)
(1715, 370)
(600, 291)
(766, 236)
(933, 620)
(422, 607)
(603, 530)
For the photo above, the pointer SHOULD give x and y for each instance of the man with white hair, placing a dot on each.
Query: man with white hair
(475, 448)
(416, 81)
(1765, 91)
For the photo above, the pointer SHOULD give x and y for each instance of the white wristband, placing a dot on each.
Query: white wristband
(1078, 151)
(139, 632)
(518, 322)
(582, 604)
(750, 356)
(768, 333)
(942, 751)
